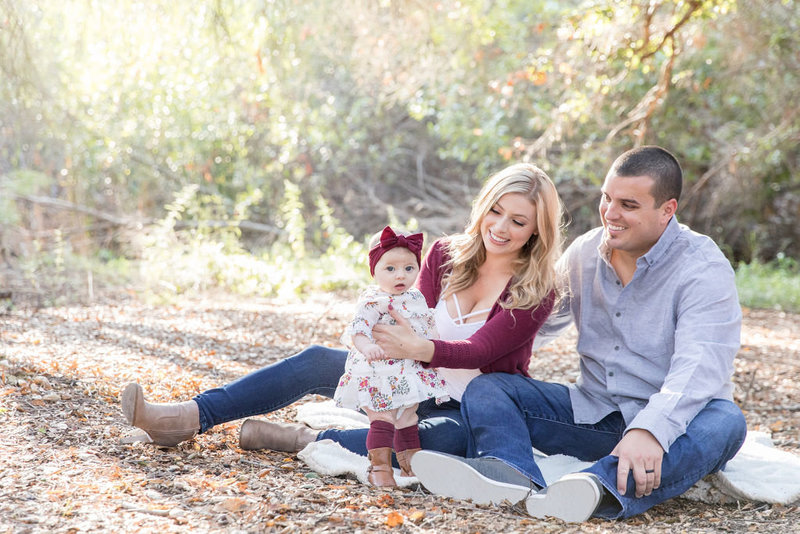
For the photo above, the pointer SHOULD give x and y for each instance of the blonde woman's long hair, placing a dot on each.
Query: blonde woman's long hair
(534, 269)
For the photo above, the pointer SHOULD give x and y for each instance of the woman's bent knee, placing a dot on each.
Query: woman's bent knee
(317, 351)
(319, 360)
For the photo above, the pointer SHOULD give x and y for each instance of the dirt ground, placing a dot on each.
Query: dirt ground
(63, 468)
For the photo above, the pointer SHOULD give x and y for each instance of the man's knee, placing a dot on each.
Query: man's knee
(724, 424)
(498, 388)
(730, 416)
(735, 423)
(487, 386)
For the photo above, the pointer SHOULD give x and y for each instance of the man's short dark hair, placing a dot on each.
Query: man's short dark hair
(658, 164)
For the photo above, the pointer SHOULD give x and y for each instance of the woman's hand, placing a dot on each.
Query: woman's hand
(400, 341)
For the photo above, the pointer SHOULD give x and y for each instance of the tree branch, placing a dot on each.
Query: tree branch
(138, 222)
(649, 102)
(693, 7)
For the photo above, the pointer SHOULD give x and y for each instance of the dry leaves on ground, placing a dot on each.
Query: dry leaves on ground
(63, 468)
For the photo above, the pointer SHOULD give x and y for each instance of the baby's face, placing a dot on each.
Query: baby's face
(396, 271)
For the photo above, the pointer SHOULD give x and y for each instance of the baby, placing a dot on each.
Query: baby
(388, 391)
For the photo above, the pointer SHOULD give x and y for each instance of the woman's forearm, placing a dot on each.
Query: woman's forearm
(422, 350)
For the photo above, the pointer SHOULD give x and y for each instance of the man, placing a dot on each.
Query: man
(658, 322)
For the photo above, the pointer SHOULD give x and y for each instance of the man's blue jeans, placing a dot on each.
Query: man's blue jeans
(507, 415)
(317, 370)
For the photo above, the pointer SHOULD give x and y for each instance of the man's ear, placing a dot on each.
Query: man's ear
(669, 208)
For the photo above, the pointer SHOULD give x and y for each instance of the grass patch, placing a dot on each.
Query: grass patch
(200, 265)
(773, 285)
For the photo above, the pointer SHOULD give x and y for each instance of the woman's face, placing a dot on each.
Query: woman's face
(509, 224)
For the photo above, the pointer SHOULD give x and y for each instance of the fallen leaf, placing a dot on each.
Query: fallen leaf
(394, 519)
(777, 426)
(386, 500)
(416, 516)
(234, 504)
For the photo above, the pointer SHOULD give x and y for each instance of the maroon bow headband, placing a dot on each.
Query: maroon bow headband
(390, 240)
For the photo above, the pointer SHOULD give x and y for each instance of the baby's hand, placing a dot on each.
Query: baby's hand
(374, 353)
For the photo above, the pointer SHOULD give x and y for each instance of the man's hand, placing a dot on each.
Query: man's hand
(639, 451)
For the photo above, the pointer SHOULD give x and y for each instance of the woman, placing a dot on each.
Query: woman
(491, 287)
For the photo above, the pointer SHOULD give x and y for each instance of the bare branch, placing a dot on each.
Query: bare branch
(649, 102)
(669, 35)
(138, 222)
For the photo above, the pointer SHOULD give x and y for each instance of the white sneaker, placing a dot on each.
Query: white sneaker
(573, 498)
(483, 480)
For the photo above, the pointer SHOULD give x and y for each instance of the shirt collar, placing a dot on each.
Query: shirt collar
(603, 249)
(669, 235)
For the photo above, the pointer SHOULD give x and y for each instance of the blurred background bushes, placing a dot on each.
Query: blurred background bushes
(222, 142)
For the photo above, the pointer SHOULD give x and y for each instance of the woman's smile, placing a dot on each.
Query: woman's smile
(509, 224)
(497, 239)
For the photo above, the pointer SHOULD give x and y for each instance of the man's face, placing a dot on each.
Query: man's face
(632, 221)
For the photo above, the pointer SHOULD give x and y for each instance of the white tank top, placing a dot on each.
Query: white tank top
(453, 329)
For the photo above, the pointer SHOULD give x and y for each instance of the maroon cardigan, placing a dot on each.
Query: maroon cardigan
(502, 345)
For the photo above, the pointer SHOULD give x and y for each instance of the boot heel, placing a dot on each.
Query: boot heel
(380, 470)
(404, 460)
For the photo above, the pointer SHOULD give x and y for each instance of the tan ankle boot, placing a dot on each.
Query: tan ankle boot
(381, 473)
(404, 459)
(166, 424)
(287, 437)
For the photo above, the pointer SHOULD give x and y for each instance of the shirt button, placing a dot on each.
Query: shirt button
(616, 347)
(618, 314)
(618, 282)
(611, 373)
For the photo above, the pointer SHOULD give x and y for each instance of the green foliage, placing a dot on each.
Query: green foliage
(203, 257)
(54, 274)
(774, 285)
(295, 115)
(19, 182)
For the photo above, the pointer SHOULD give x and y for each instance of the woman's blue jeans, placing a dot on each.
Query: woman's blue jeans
(507, 415)
(317, 370)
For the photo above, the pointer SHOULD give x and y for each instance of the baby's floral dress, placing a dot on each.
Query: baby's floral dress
(388, 384)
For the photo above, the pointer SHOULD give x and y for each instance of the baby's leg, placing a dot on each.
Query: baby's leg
(387, 415)
(406, 416)
(379, 447)
(406, 438)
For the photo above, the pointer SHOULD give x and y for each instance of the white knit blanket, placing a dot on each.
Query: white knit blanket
(759, 472)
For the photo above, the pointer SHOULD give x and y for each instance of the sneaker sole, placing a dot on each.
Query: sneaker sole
(573, 499)
(450, 477)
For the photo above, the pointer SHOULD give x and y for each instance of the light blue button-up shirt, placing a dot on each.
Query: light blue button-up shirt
(658, 349)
